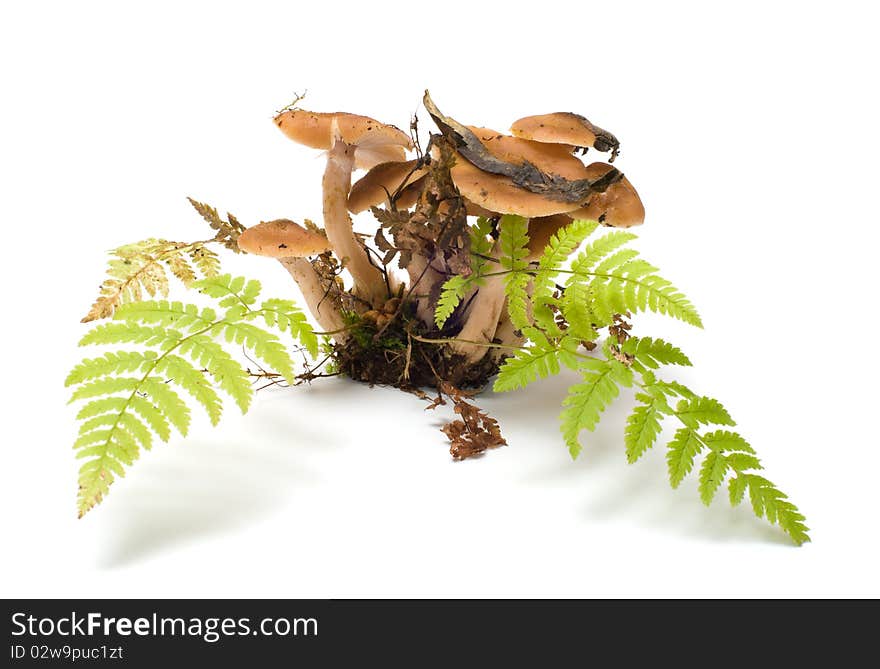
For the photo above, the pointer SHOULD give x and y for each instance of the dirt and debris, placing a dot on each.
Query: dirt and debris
(474, 432)
(388, 349)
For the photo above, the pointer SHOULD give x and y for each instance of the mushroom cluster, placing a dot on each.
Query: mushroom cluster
(421, 201)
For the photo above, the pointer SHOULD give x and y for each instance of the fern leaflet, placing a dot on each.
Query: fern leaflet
(540, 360)
(451, 294)
(587, 400)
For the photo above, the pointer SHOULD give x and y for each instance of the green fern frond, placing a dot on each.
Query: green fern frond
(132, 396)
(727, 454)
(607, 280)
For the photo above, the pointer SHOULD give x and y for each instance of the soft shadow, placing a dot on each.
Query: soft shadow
(208, 486)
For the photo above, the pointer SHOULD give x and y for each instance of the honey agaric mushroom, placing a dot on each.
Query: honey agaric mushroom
(565, 128)
(619, 206)
(383, 180)
(290, 243)
(347, 137)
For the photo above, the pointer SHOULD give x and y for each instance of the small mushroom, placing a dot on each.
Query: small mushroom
(347, 137)
(290, 243)
(567, 129)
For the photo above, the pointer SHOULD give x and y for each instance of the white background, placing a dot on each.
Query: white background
(751, 133)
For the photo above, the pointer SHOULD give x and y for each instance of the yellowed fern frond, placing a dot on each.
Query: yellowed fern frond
(139, 268)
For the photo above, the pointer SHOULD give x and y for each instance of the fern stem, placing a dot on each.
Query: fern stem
(453, 340)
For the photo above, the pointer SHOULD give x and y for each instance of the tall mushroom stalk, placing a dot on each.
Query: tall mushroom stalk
(369, 281)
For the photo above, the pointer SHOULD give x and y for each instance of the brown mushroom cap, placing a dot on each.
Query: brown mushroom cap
(282, 238)
(377, 142)
(498, 193)
(381, 180)
(618, 206)
(564, 128)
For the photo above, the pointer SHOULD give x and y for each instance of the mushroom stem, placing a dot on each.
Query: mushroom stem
(369, 282)
(423, 278)
(313, 291)
(483, 316)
